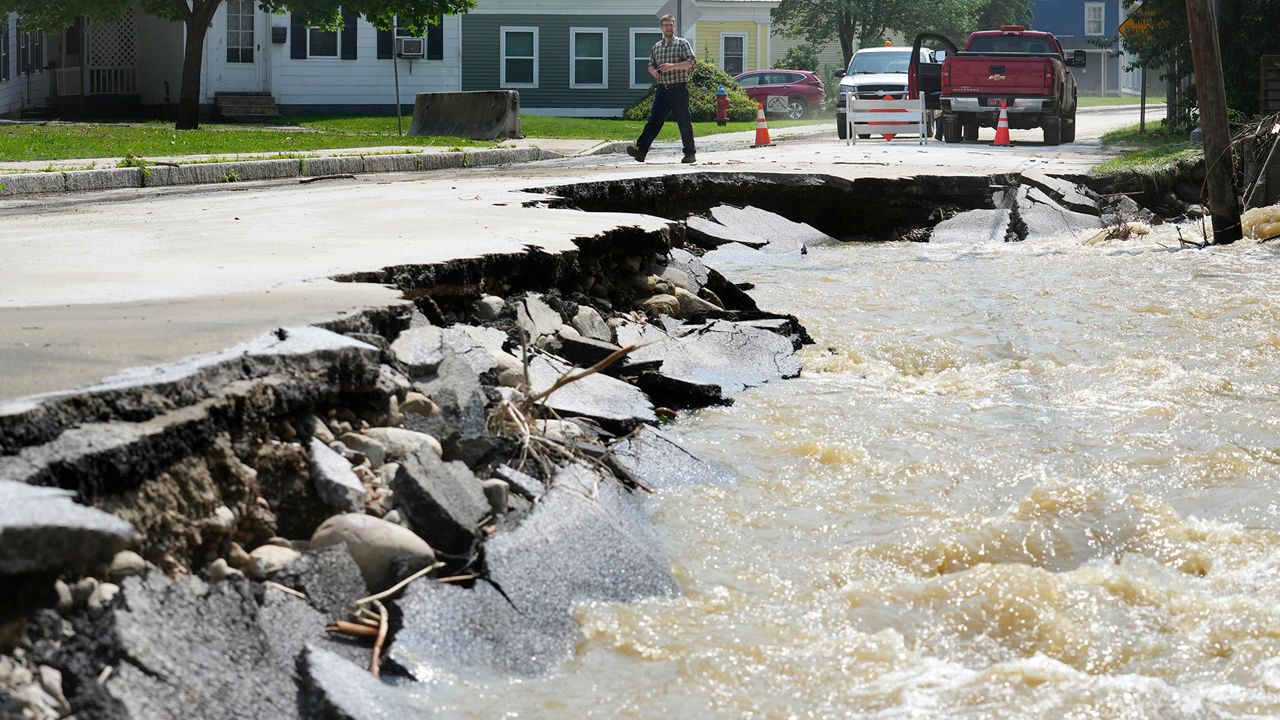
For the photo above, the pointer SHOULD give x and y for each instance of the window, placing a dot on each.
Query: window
(1093, 16)
(749, 80)
(733, 52)
(589, 61)
(322, 43)
(642, 42)
(519, 52)
(4, 49)
(240, 22)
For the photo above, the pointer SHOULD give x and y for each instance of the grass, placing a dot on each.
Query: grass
(1117, 100)
(63, 141)
(1156, 153)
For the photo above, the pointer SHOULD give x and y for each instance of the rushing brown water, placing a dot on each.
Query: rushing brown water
(1033, 480)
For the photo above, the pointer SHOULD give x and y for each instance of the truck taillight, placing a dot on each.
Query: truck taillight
(946, 78)
(1048, 77)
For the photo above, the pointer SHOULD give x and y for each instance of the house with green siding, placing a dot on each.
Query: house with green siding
(567, 57)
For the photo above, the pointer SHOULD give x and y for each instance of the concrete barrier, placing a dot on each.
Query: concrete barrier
(104, 179)
(32, 183)
(480, 115)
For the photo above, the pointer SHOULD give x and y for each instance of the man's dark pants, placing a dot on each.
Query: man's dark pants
(673, 99)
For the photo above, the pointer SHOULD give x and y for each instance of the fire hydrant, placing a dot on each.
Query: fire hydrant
(722, 106)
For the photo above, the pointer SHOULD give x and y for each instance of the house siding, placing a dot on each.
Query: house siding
(21, 92)
(829, 56)
(707, 45)
(482, 61)
(1066, 20)
(160, 50)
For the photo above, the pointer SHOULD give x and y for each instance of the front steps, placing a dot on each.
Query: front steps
(245, 107)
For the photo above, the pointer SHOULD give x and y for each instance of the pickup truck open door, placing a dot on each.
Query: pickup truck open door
(926, 77)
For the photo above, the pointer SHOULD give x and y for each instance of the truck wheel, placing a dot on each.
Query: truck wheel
(1052, 131)
(842, 129)
(971, 131)
(950, 129)
(1069, 128)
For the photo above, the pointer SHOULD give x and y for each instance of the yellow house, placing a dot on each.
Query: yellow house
(733, 35)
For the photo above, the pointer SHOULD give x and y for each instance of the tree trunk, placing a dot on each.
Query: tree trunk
(197, 21)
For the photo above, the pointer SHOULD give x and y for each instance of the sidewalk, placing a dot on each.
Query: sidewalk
(72, 175)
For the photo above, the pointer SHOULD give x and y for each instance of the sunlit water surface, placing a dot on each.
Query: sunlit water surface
(1033, 480)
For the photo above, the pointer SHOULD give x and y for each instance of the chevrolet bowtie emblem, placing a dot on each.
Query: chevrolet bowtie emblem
(996, 77)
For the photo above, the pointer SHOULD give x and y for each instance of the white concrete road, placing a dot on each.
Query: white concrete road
(91, 284)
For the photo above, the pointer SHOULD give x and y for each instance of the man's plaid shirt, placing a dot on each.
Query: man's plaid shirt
(678, 50)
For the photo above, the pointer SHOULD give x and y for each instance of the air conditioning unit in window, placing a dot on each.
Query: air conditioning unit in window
(410, 47)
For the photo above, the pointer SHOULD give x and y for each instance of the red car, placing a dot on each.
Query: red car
(796, 93)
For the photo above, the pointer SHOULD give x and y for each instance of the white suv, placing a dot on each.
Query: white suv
(873, 73)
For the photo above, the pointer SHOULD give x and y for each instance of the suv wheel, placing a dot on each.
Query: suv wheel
(796, 108)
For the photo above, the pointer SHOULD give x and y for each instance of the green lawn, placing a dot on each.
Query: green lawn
(1117, 100)
(61, 141)
(1155, 152)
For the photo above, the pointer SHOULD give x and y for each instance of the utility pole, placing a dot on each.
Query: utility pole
(1224, 206)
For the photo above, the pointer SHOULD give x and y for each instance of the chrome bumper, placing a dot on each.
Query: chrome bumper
(1013, 106)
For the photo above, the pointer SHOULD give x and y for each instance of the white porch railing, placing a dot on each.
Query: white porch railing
(67, 82)
(113, 80)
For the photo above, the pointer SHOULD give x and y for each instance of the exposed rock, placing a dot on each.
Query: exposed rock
(495, 491)
(367, 446)
(691, 304)
(400, 443)
(597, 396)
(101, 598)
(375, 545)
(334, 480)
(460, 426)
(583, 351)
(655, 460)
(590, 324)
(1068, 194)
(656, 305)
(536, 318)
(442, 501)
(420, 349)
(42, 529)
(315, 427)
(419, 404)
(269, 560)
(126, 563)
(489, 307)
(586, 539)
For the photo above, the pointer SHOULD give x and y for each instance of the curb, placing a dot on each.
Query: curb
(67, 181)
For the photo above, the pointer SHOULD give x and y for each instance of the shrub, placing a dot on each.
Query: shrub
(703, 81)
(800, 57)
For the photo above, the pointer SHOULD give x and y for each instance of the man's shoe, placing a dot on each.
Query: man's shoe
(689, 158)
(636, 153)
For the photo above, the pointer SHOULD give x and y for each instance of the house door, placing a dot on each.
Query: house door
(238, 60)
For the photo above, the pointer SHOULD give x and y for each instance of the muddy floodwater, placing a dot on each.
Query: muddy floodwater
(1032, 480)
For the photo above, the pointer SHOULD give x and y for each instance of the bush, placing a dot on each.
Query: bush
(703, 81)
(800, 57)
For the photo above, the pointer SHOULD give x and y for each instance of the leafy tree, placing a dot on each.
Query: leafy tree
(799, 57)
(196, 15)
(1241, 36)
(856, 23)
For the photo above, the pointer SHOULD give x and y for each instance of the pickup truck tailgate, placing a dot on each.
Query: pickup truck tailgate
(994, 75)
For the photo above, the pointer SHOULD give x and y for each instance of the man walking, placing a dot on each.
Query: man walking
(669, 63)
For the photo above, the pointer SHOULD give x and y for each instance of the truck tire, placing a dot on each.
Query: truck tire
(971, 130)
(842, 129)
(950, 129)
(1052, 131)
(1068, 133)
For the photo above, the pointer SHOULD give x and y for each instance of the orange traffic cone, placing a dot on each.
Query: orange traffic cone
(762, 129)
(1002, 127)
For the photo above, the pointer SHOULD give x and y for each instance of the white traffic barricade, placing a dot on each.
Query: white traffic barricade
(886, 117)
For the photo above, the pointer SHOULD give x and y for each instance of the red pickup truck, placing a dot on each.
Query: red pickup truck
(1023, 69)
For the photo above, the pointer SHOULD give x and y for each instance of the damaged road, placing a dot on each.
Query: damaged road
(456, 428)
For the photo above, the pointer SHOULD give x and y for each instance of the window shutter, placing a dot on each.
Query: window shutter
(386, 45)
(297, 38)
(349, 22)
(435, 41)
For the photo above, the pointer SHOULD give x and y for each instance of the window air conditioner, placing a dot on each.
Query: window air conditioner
(410, 47)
